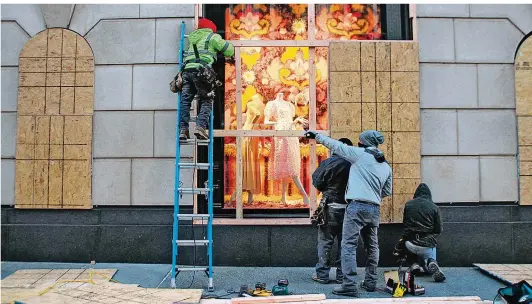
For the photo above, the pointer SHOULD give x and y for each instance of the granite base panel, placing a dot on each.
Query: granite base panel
(472, 234)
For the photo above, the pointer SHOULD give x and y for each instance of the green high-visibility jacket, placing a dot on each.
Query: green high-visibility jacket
(208, 44)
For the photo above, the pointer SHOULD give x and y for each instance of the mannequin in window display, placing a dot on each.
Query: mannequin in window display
(286, 157)
(251, 177)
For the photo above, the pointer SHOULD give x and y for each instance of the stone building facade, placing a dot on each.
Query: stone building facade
(468, 137)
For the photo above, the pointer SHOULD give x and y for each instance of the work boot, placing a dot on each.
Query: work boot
(344, 291)
(435, 270)
(415, 269)
(321, 281)
(201, 133)
(367, 287)
(184, 135)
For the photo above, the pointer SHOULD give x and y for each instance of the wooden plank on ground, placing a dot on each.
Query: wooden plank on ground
(508, 273)
(280, 299)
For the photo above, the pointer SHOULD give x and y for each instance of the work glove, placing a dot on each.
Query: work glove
(230, 59)
(311, 134)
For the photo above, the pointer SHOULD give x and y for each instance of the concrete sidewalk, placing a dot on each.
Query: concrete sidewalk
(460, 281)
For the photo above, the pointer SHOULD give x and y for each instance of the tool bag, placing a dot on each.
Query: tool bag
(518, 293)
(319, 217)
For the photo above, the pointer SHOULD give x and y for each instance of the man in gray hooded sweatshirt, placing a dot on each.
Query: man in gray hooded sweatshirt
(370, 180)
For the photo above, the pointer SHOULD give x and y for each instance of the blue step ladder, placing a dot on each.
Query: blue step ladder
(179, 190)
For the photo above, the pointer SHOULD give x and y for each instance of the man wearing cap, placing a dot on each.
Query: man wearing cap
(370, 180)
(196, 70)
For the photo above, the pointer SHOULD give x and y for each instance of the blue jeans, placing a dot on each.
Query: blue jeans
(194, 84)
(423, 253)
(361, 220)
(326, 236)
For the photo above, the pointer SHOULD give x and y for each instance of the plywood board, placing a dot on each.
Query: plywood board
(25, 151)
(525, 190)
(523, 91)
(405, 185)
(78, 130)
(83, 48)
(84, 64)
(345, 87)
(53, 65)
(55, 42)
(368, 87)
(384, 116)
(399, 202)
(68, 79)
(405, 86)
(53, 100)
(42, 152)
(24, 182)
(84, 100)
(55, 183)
(405, 56)
(508, 273)
(84, 79)
(525, 168)
(407, 171)
(340, 51)
(67, 101)
(383, 87)
(383, 56)
(386, 210)
(77, 152)
(367, 56)
(56, 130)
(33, 65)
(31, 79)
(40, 197)
(37, 47)
(406, 147)
(56, 151)
(53, 80)
(369, 116)
(386, 147)
(69, 43)
(524, 127)
(25, 129)
(68, 65)
(525, 153)
(76, 184)
(31, 100)
(345, 117)
(405, 116)
(42, 130)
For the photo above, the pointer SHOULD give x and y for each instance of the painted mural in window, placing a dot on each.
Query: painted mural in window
(276, 171)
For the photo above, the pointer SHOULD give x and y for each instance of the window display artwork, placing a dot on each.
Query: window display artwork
(348, 22)
(276, 95)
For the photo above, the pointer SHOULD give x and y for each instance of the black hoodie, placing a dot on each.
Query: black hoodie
(422, 219)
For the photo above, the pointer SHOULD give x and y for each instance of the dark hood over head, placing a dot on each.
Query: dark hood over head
(423, 191)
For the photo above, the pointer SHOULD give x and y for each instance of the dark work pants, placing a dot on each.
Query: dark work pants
(326, 236)
(361, 220)
(192, 85)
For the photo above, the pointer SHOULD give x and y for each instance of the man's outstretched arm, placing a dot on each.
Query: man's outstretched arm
(349, 153)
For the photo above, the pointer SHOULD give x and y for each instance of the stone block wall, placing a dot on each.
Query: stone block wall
(135, 55)
(467, 98)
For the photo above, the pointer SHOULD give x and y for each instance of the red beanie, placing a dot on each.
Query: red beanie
(206, 23)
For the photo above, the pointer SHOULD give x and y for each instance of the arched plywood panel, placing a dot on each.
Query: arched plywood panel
(523, 97)
(54, 122)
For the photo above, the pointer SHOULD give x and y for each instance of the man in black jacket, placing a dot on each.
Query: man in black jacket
(331, 179)
(422, 222)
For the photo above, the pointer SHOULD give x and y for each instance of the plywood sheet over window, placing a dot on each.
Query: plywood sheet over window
(375, 85)
(523, 91)
(54, 122)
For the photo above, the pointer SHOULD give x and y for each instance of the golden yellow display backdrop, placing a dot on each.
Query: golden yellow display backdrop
(375, 85)
(523, 98)
(54, 122)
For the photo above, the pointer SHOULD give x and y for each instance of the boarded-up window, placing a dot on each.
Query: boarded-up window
(54, 118)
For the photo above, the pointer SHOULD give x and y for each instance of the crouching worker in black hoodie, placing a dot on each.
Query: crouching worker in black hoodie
(422, 223)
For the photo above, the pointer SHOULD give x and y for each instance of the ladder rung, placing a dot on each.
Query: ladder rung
(203, 166)
(199, 142)
(192, 242)
(193, 190)
(192, 269)
(193, 216)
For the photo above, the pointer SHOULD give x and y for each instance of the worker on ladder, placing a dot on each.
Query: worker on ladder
(198, 76)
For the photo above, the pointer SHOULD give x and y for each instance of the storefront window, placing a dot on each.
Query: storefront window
(348, 22)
